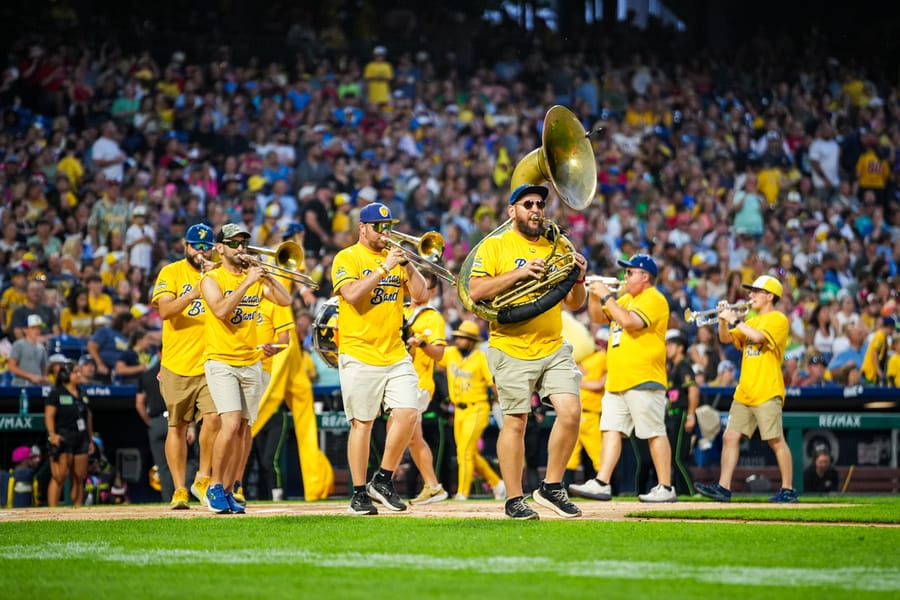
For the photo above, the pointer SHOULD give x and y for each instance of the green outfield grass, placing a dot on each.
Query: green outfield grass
(388, 557)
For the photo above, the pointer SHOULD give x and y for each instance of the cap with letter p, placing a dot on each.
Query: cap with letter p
(525, 189)
(766, 283)
(641, 261)
(376, 213)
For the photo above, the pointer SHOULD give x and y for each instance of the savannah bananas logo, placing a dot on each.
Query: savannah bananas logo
(203, 233)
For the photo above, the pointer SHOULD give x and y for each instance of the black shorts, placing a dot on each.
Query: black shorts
(72, 442)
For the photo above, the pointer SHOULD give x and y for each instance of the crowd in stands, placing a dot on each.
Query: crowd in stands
(769, 158)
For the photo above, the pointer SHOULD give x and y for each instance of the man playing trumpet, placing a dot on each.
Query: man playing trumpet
(759, 396)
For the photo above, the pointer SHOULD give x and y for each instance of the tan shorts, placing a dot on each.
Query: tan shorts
(518, 379)
(641, 411)
(186, 397)
(235, 388)
(766, 416)
(366, 388)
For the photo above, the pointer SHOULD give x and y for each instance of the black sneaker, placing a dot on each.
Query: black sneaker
(361, 504)
(384, 493)
(516, 508)
(557, 501)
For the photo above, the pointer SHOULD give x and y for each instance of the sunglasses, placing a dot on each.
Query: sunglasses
(382, 227)
(630, 272)
(529, 203)
(201, 247)
(237, 243)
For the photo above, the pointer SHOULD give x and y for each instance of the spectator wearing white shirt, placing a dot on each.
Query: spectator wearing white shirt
(139, 240)
(106, 153)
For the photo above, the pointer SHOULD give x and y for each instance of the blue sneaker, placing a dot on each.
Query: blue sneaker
(714, 491)
(785, 495)
(216, 500)
(234, 505)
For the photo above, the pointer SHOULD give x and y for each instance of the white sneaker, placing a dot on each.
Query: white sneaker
(499, 491)
(277, 494)
(592, 489)
(659, 494)
(460, 497)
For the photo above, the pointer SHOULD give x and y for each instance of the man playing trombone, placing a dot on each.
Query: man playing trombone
(759, 396)
(635, 397)
(376, 370)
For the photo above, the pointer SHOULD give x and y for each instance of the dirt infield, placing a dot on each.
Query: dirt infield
(473, 509)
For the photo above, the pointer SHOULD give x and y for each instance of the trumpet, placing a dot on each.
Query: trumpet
(613, 283)
(288, 259)
(707, 317)
(429, 250)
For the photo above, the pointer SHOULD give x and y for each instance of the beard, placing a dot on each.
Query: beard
(531, 229)
(195, 261)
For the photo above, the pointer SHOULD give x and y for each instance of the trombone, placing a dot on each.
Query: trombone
(288, 260)
(613, 283)
(429, 250)
(708, 317)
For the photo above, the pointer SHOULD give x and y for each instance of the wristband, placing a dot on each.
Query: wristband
(606, 299)
(579, 281)
(734, 324)
(384, 272)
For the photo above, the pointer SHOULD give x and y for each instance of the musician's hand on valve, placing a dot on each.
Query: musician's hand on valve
(255, 273)
(533, 269)
(599, 289)
(726, 313)
(394, 257)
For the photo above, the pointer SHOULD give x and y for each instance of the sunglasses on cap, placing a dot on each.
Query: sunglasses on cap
(237, 243)
(382, 227)
(529, 203)
(201, 246)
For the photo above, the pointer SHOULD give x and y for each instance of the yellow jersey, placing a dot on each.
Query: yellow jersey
(13, 298)
(379, 92)
(183, 340)
(872, 171)
(636, 357)
(534, 338)
(429, 324)
(468, 377)
(275, 319)
(76, 324)
(371, 331)
(875, 353)
(761, 375)
(233, 340)
(893, 371)
(100, 306)
(594, 368)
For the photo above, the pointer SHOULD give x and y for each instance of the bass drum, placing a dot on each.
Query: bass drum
(325, 332)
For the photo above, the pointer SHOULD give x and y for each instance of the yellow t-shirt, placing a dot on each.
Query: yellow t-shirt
(379, 91)
(275, 319)
(233, 340)
(768, 182)
(370, 331)
(101, 305)
(77, 325)
(428, 324)
(534, 338)
(874, 354)
(111, 278)
(872, 171)
(468, 377)
(183, 335)
(11, 299)
(594, 368)
(893, 371)
(73, 169)
(636, 357)
(340, 222)
(761, 375)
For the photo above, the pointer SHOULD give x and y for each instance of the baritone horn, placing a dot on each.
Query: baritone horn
(429, 248)
(708, 317)
(288, 262)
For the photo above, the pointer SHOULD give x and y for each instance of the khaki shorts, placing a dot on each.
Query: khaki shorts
(235, 388)
(766, 416)
(186, 397)
(641, 411)
(367, 388)
(518, 379)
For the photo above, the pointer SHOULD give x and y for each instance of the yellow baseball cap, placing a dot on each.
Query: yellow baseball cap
(766, 283)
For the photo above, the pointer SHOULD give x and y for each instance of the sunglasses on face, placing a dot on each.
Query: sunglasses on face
(201, 247)
(529, 203)
(381, 227)
(630, 272)
(237, 243)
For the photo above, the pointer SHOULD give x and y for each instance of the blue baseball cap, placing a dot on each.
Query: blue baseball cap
(527, 188)
(198, 234)
(376, 213)
(641, 261)
(293, 229)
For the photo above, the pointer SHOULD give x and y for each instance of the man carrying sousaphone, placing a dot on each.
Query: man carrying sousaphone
(530, 355)
(376, 370)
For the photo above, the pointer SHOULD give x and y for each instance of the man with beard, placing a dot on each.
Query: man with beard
(531, 355)
(181, 378)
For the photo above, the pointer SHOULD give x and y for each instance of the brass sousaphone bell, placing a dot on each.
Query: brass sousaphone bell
(566, 160)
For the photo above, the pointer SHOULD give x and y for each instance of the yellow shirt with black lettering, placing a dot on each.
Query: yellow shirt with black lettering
(534, 338)
(594, 368)
(638, 356)
(468, 377)
(183, 335)
(233, 340)
(761, 375)
(430, 325)
(275, 319)
(370, 331)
